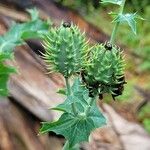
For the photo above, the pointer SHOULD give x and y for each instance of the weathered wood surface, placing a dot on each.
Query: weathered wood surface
(32, 87)
(19, 130)
(119, 134)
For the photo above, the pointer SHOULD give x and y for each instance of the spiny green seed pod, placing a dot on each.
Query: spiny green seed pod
(65, 49)
(105, 72)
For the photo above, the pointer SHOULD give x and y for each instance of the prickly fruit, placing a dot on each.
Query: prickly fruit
(105, 72)
(65, 49)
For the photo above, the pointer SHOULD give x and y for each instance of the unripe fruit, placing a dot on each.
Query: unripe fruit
(65, 49)
(105, 72)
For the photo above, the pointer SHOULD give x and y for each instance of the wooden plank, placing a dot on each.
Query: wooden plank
(12, 13)
(32, 87)
(19, 130)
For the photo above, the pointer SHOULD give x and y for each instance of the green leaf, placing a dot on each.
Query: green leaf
(146, 123)
(34, 30)
(20, 32)
(5, 56)
(3, 85)
(62, 91)
(117, 2)
(5, 71)
(31, 35)
(15, 37)
(129, 18)
(79, 96)
(67, 107)
(76, 129)
(33, 13)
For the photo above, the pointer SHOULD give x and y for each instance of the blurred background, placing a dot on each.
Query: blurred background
(33, 92)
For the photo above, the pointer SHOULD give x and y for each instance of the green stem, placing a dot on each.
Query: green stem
(68, 86)
(90, 105)
(113, 35)
(69, 93)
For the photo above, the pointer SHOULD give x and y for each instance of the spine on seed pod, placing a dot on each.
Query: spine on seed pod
(105, 74)
(65, 49)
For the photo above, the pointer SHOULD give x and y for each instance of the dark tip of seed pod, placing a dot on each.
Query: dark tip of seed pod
(122, 79)
(108, 46)
(118, 90)
(67, 24)
(101, 96)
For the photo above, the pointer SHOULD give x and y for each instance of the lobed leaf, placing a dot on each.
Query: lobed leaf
(33, 13)
(76, 129)
(16, 35)
(130, 18)
(80, 96)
